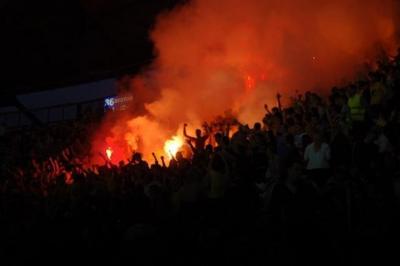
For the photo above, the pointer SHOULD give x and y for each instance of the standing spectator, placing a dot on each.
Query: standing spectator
(317, 156)
(199, 140)
(357, 111)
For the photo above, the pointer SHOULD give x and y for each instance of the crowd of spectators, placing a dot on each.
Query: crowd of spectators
(317, 182)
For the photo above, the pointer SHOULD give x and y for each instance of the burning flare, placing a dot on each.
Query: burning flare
(109, 153)
(172, 146)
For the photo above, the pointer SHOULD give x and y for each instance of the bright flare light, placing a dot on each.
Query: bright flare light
(172, 146)
(109, 153)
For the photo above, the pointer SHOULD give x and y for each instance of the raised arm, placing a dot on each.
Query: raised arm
(267, 109)
(278, 97)
(155, 158)
(207, 131)
(185, 133)
(191, 145)
(163, 162)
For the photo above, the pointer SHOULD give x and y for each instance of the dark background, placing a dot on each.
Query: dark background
(47, 44)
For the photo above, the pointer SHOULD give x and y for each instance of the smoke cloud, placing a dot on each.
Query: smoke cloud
(214, 56)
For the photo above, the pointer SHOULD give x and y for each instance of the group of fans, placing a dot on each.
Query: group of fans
(315, 182)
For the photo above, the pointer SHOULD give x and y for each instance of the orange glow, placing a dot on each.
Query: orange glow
(234, 56)
(250, 83)
(172, 146)
(109, 153)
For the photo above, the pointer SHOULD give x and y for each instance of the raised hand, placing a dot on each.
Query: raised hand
(163, 161)
(155, 158)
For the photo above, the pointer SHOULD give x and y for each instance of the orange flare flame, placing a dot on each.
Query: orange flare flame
(109, 153)
(172, 146)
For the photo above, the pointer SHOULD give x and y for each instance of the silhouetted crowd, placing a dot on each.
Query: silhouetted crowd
(317, 182)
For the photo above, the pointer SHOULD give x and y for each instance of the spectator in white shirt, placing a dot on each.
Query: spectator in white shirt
(317, 155)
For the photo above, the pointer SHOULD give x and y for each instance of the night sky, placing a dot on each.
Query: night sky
(49, 44)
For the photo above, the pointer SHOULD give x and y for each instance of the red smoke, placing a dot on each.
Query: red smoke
(214, 56)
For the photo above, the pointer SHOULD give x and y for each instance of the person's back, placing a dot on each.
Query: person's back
(200, 142)
(317, 157)
(357, 111)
